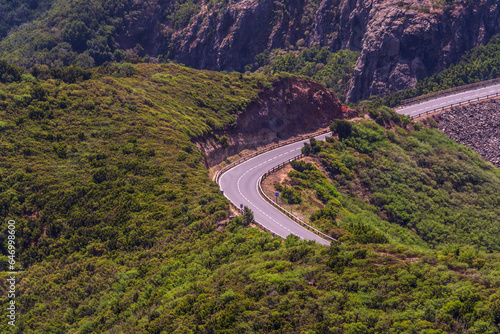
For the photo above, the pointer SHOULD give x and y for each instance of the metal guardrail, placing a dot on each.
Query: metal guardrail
(218, 174)
(283, 210)
(449, 91)
(459, 104)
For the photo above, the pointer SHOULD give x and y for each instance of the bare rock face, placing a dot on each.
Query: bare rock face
(290, 107)
(406, 42)
(401, 41)
(476, 126)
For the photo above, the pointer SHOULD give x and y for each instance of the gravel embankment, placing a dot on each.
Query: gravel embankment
(477, 126)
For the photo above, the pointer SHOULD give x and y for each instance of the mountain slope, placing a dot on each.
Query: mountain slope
(121, 230)
(440, 192)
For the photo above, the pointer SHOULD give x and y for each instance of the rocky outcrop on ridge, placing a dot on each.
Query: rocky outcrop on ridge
(289, 108)
(476, 126)
(406, 42)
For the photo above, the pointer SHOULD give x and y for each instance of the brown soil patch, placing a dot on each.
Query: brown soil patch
(309, 204)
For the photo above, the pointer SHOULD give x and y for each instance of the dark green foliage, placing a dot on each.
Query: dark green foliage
(224, 141)
(38, 93)
(183, 12)
(16, 12)
(341, 127)
(329, 212)
(312, 147)
(335, 166)
(88, 33)
(302, 166)
(338, 260)
(290, 195)
(9, 73)
(70, 74)
(247, 216)
(77, 34)
(285, 63)
(363, 234)
(119, 70)
(334, 70)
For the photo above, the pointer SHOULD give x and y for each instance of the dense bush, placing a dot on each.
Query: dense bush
(9, 73)
(334, 70)
(291, 196)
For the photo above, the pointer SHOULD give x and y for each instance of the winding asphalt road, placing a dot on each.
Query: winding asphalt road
(445, 101)
(240, 187)
(240, 182)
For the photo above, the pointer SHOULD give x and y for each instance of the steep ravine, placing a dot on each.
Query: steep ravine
(290, 107)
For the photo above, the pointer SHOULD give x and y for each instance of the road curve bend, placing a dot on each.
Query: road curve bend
(240, 186)
(240, 183)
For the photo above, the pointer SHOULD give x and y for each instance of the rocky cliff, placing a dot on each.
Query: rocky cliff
(290, 107)
(400, 41)
(406, 42)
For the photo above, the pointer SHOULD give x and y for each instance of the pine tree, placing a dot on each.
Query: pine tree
(247, 216)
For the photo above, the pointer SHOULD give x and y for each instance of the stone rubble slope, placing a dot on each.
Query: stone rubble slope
(476, 126)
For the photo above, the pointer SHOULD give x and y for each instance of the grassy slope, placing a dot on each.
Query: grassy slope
(117, 225)
(112, 150)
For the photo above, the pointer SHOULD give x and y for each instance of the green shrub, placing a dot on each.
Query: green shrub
(341, 127)
(290, 195)
(9, 73)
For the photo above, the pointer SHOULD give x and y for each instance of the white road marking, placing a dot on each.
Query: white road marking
(256, 207)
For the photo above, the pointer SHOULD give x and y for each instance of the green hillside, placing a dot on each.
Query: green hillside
(117, 219)
(75, 32)
(88, 160)
(407, 185)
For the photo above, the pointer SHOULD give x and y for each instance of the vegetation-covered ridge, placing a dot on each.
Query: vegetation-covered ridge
(479, 64)
(83, 33)
(119, 225)
(86, 160)
(333, 69)
(402, 176)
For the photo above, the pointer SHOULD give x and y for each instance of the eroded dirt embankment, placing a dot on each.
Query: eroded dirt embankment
(289, 108)
(476, 126)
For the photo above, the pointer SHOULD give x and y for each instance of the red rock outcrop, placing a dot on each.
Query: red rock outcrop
(290, 107)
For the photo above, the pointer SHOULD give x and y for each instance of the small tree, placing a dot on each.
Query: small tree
(247, 216)
(312, 147)
(224, 141)
(342, 127)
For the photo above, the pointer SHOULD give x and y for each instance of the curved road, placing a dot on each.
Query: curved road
(240, 187)
(240, 182)
(445, 101)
